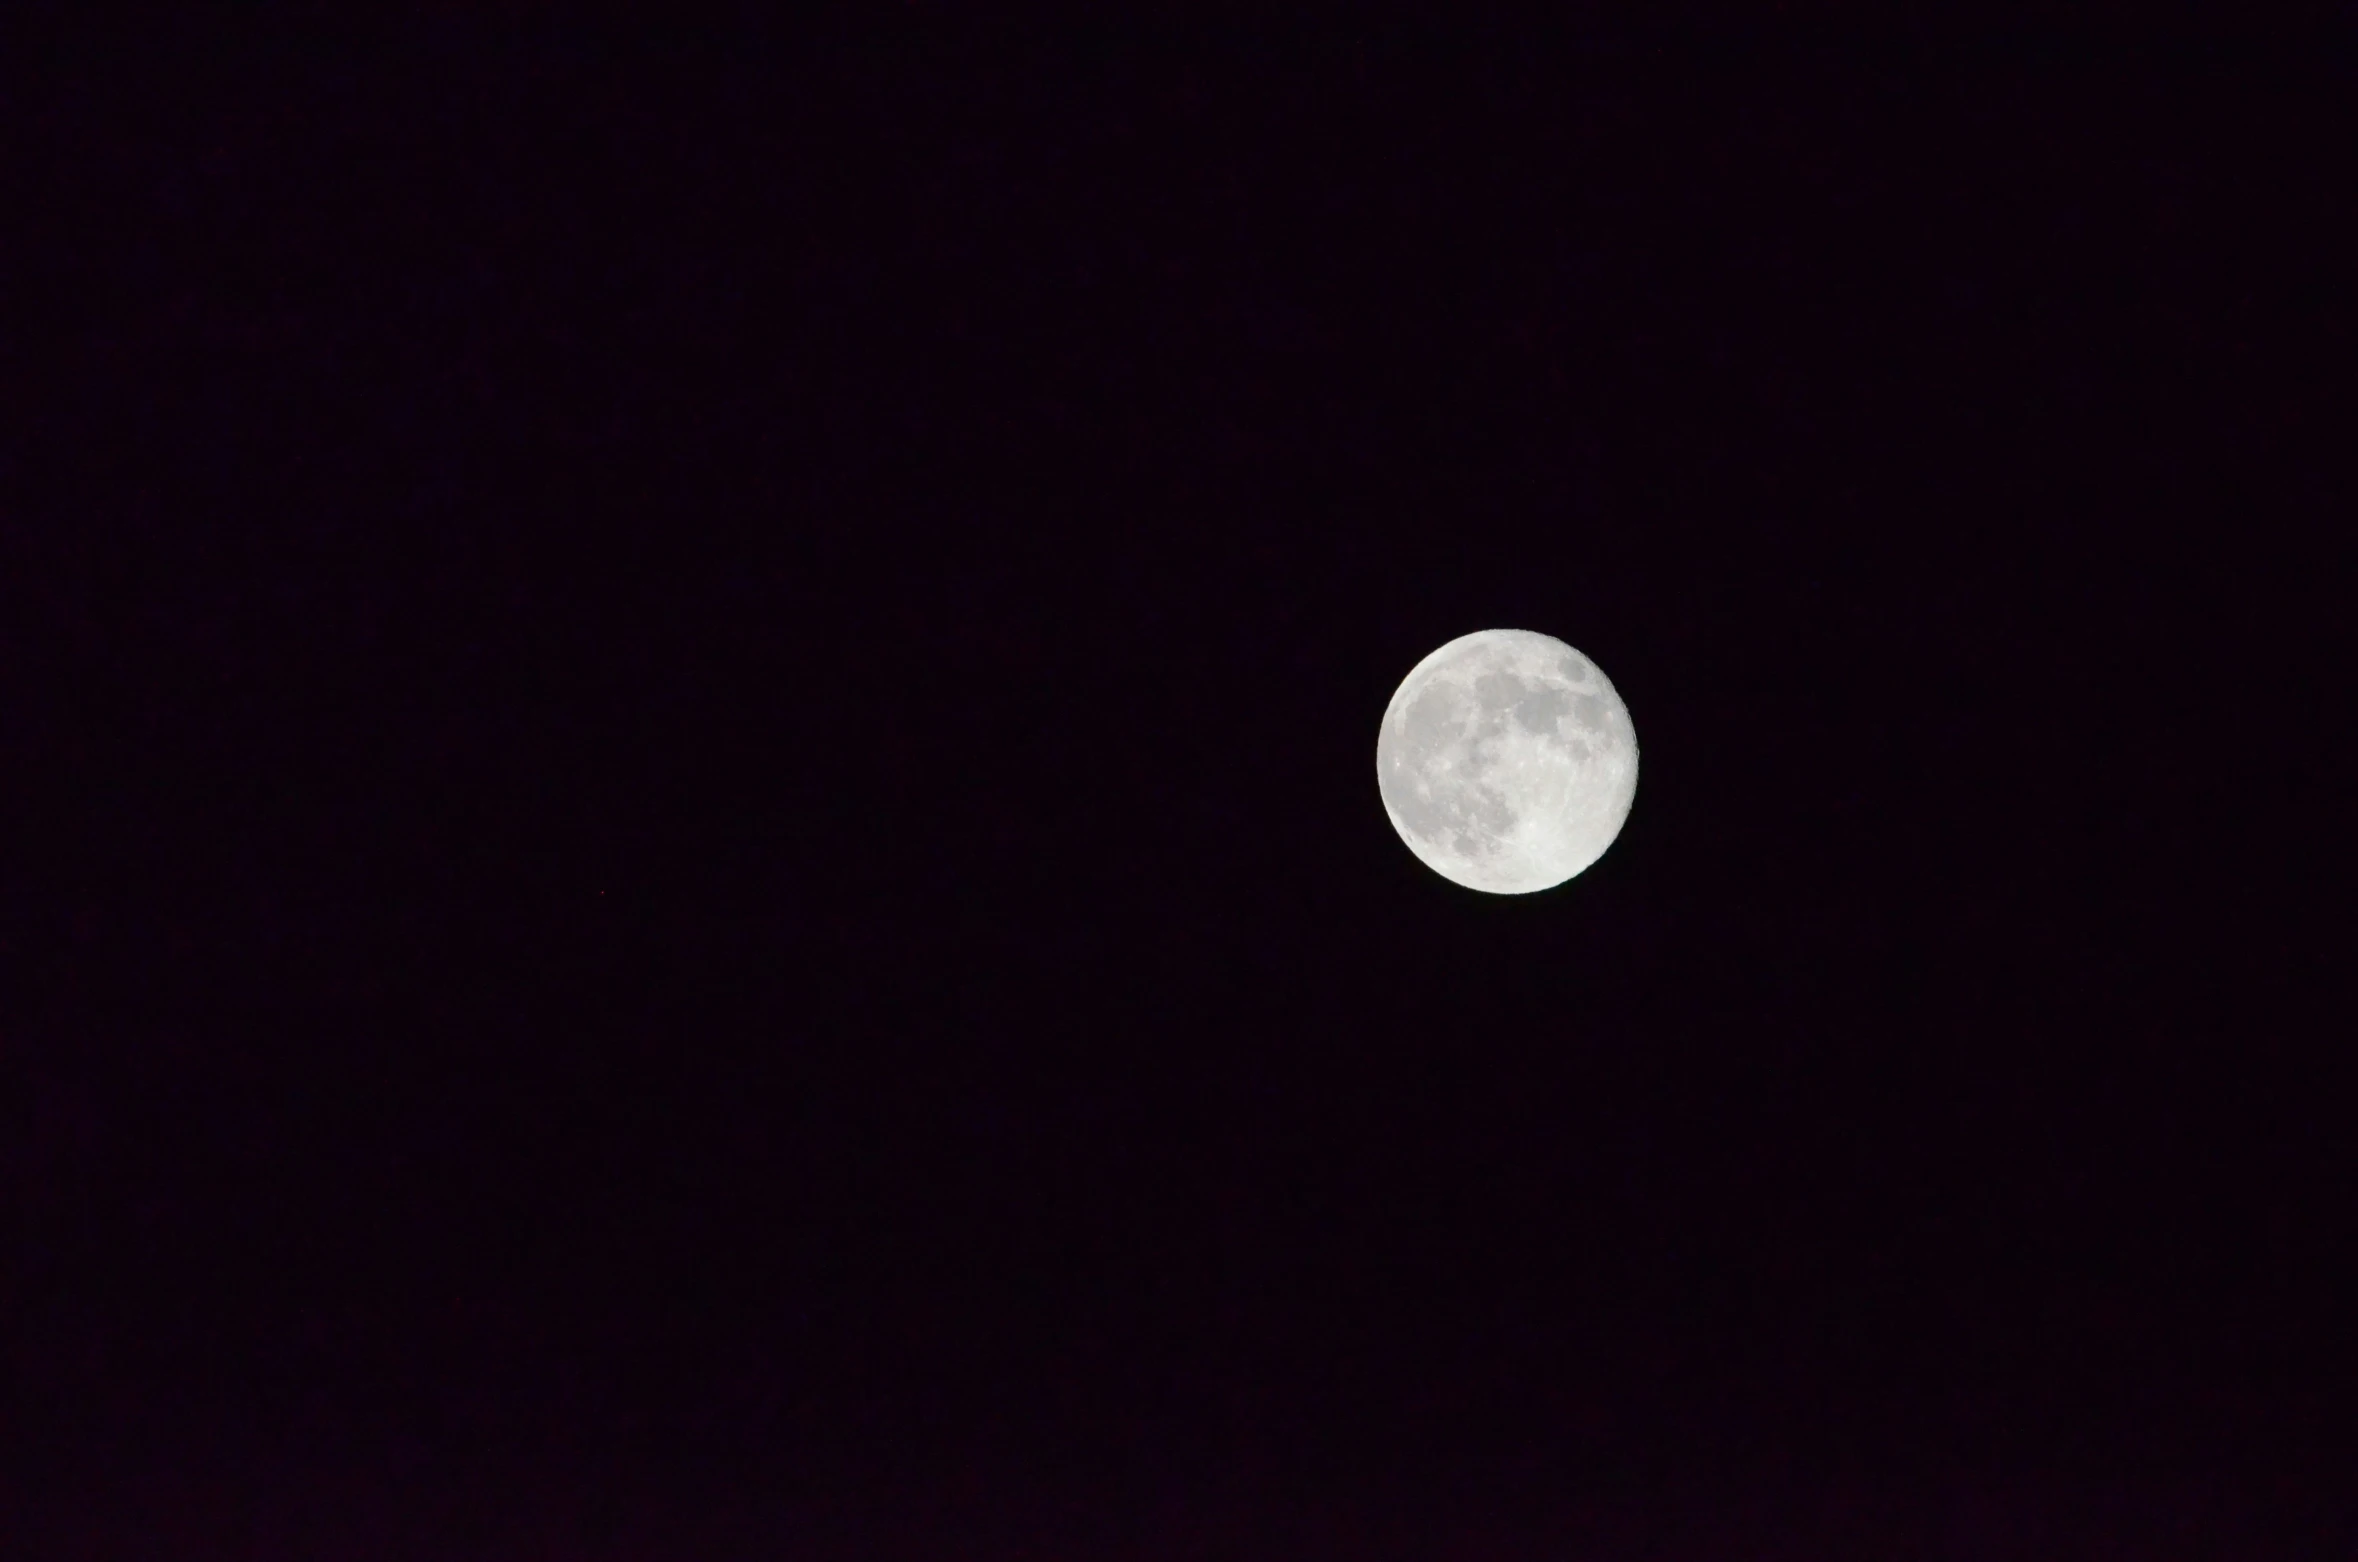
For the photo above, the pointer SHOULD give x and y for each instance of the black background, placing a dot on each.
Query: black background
(692, 862)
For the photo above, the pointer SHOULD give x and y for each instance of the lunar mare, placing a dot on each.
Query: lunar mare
(1507, 761)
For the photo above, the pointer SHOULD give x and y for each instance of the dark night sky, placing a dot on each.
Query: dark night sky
(692, 864)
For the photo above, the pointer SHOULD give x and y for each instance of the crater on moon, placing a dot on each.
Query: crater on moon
(1506, 761)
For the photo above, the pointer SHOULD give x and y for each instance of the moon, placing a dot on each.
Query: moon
(1507, 761)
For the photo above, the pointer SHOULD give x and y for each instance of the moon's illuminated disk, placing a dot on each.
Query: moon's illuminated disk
(1507, 761)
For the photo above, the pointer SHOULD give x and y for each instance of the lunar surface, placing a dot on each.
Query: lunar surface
(1507, 762)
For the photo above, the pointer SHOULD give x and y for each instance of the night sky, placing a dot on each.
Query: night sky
(689, 853)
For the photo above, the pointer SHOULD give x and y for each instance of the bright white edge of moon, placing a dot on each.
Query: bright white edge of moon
(1507, 761)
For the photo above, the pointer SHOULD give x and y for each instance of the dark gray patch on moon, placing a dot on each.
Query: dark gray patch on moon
(1432, 723)
(1572, 668)
(1497, 691)
(1589, 710)
(1539, 707)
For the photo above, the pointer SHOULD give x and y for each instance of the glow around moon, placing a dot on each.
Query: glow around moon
(1507, 762)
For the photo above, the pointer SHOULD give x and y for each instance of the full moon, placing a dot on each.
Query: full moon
(1507, 762)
